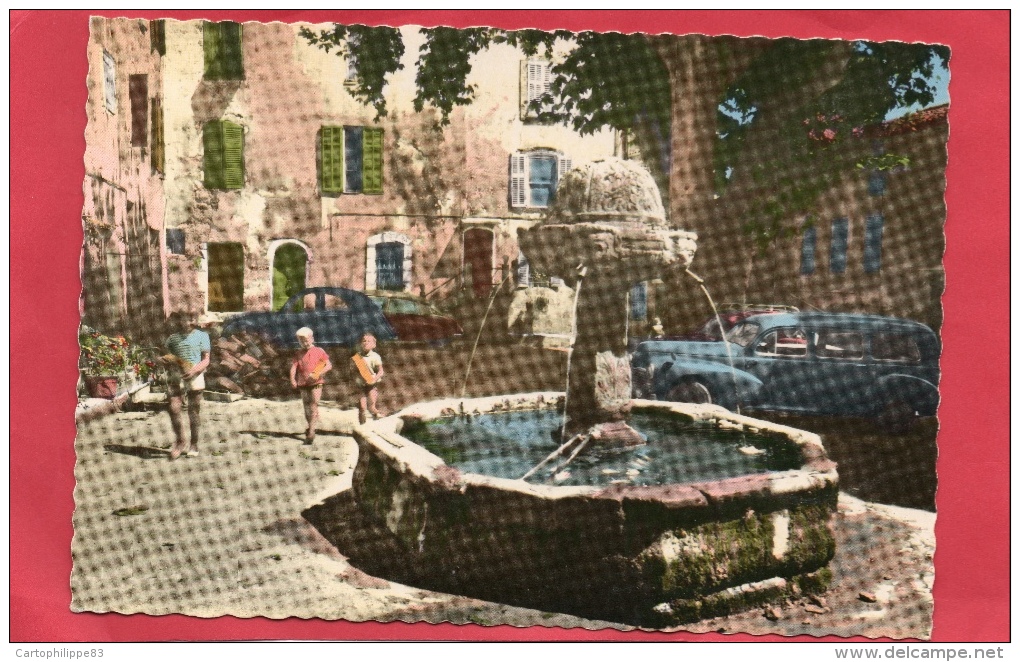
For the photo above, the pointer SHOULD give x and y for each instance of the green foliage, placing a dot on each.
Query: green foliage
(783, 125)
(883, 162)
(607, 80)
(103, 355)
(444, 63)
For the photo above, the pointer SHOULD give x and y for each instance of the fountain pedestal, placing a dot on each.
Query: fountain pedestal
(605, 232)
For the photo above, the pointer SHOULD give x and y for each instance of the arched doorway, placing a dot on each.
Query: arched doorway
(290, 262)
(478, 260)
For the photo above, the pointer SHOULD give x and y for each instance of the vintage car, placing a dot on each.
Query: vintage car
(808, 363)
(336, 315)
(415, 319)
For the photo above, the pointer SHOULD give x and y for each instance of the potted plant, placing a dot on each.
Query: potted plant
(105, 360)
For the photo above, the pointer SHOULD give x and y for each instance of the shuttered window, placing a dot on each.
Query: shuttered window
(351, 159)
(838, 246)
(372, 161)
(138, 94)
(873, 243)
(224, 155)
(807, 251)
(110, 82)
(222, 45)
(331, 159)
(534, 177)
(157, 155)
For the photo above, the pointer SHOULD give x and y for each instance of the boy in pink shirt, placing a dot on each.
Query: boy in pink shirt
(306, 375)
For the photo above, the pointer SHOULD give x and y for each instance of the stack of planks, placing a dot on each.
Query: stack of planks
(249, 364)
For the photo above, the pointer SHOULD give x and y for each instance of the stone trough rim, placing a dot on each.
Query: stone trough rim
(815, 472)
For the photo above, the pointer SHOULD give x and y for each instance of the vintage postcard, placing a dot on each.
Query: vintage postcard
(574, 329)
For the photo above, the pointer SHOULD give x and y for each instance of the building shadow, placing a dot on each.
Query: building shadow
(144, 452)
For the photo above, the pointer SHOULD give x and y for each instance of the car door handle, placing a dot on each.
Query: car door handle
(750, 364)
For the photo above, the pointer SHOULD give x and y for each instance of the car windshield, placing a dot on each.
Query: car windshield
(742, 334)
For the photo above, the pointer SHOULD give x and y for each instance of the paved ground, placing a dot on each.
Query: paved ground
(222, 534)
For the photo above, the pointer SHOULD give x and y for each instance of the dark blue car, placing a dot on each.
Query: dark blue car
(336, 315)
(809, 363)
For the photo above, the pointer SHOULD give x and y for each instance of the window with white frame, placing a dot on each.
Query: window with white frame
(534, 177)
(351, 77)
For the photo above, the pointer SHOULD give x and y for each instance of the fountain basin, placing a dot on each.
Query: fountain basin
(649, 555)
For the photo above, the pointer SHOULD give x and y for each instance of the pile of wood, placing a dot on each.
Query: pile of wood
(248, 364)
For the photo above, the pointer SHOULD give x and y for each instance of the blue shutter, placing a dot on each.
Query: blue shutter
(838, 247)
(807, 251)
(873, 243)
(353, 158)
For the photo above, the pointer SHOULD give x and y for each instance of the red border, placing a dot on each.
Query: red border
(48, 71)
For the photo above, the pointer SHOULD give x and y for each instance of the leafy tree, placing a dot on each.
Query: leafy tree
(788, 108)
(787, 123)
(606, 80)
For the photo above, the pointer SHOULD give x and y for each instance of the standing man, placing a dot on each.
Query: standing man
(188, 357)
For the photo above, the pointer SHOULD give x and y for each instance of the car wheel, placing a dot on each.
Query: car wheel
(690, 391)
(897, 417)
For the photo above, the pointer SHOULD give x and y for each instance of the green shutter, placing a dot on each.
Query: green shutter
(233, 156)
(222, 45)
(157, 154)
(373, 161)
(211, 46)
(212, 158)
(230, 45)
(331, 159)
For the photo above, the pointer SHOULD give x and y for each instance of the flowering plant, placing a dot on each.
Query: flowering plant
(111, 355)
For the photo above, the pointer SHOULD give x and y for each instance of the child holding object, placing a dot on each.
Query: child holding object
(310, 364)
(369, 372)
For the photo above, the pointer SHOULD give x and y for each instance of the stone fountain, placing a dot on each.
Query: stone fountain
(621, 544)
(605, 231)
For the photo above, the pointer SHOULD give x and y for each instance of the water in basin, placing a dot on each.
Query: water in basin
(507, 445)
